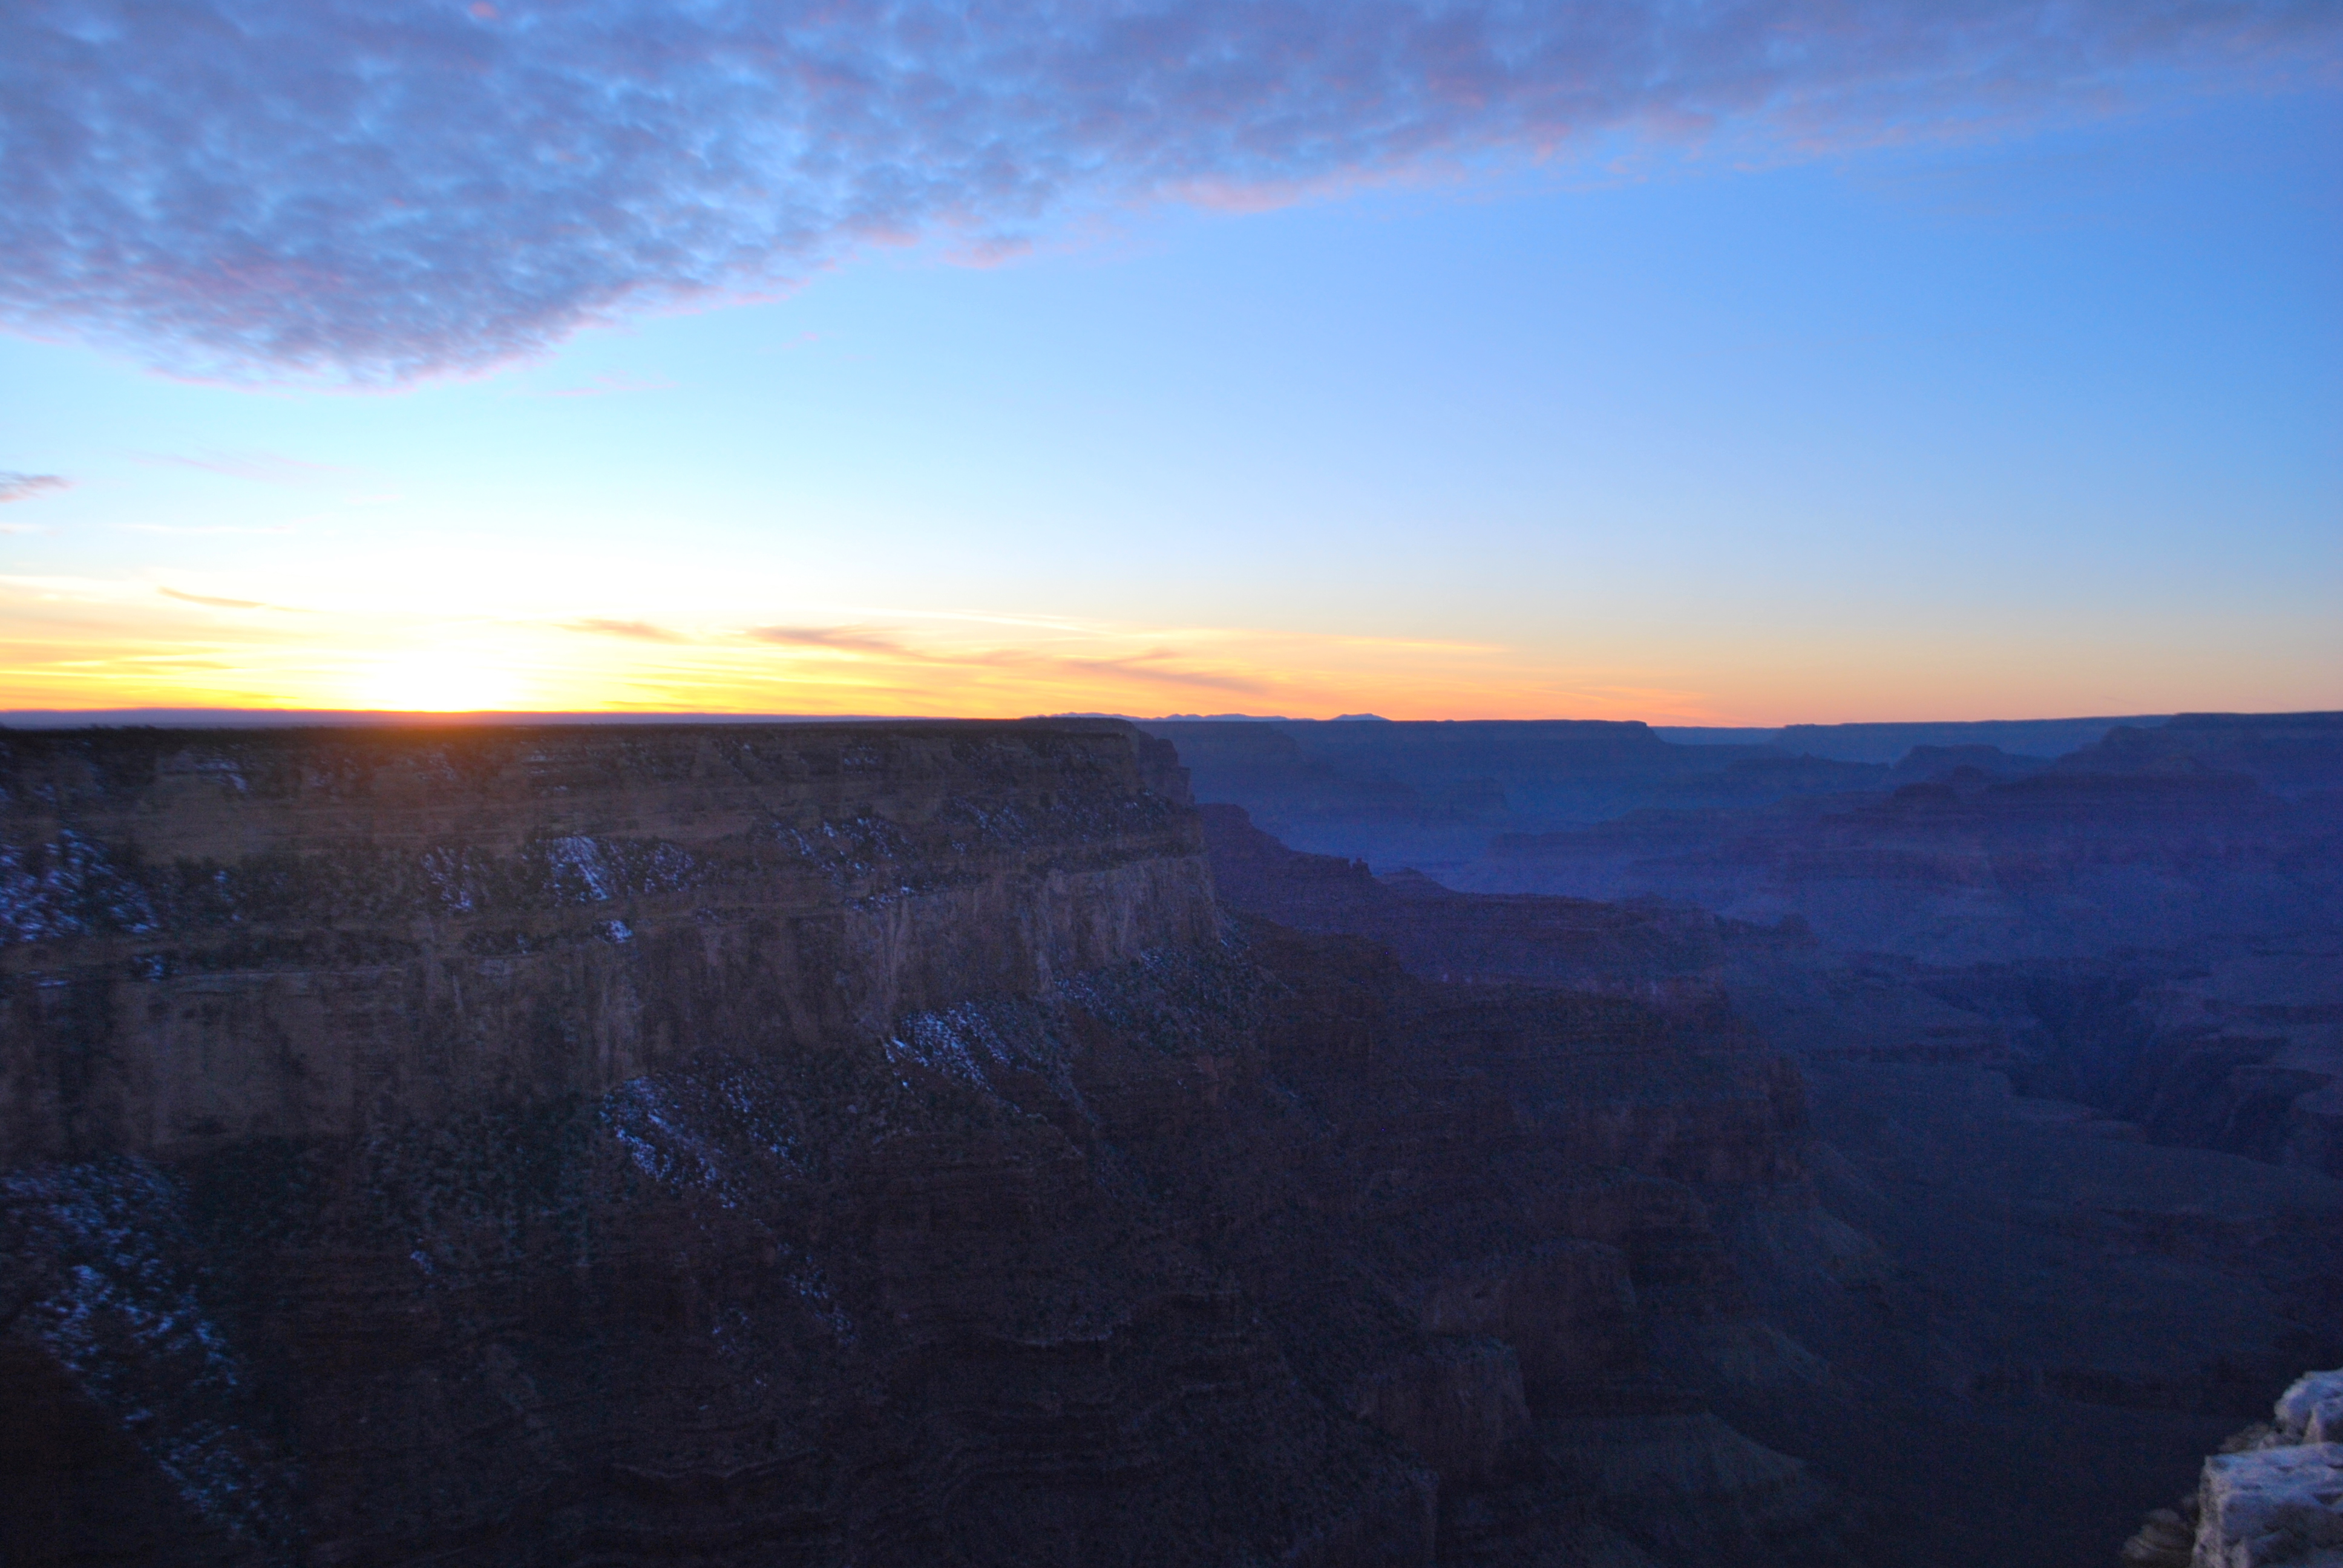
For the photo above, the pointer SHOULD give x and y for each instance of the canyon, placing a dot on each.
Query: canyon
(947, 1142)
(2146, 923)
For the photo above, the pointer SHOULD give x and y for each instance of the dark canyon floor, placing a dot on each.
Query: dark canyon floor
(947, 1143)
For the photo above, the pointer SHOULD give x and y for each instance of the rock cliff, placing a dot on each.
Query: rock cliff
(818, 1145)
(2272, 1498)
(206, 936)
(881, 1144)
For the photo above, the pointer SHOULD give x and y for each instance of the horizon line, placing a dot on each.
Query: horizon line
(268, 718)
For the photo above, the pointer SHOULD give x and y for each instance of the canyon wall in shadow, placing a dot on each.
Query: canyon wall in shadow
(2011, 1318)
(827, 1145)
(2053, 1014)
(1431, 794)
(2147, 924)
(874, 1145)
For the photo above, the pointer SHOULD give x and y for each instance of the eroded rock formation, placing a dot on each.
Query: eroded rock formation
(875, 1144)
(861, 1144)
(208, 935)
(2012, 1320)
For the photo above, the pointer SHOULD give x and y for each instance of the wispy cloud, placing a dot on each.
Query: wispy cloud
(204, 529)
(266, 467)
(1151, 669)
(27, 486)
(213, 601)
(852, 639)
(390, 188)
(642, 630)
(1154, 667)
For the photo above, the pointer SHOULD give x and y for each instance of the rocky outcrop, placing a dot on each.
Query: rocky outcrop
(2272, 1498)
(1961, 765)
(1458, 1403)
(2143, 929)
(2232, 1046)
(2243, 1050)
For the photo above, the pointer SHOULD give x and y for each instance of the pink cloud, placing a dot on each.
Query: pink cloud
(27, 487)
(1157, 667)
(641, 631)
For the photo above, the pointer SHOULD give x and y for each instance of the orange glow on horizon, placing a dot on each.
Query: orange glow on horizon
(97, 645)
(102, 646)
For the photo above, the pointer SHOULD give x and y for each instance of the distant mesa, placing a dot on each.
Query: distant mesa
(1228, 719)
(1962, 764)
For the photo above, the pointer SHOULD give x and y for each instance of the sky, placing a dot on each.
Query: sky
(1777, 361)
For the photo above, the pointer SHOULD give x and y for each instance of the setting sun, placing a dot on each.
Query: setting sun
(438, 681)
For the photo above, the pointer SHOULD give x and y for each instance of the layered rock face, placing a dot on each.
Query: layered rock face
(2146, 926)
(824, 1145)
(2234, 1046)
(206, 937)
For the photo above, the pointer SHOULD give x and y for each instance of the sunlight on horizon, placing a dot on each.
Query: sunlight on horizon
(437, 683)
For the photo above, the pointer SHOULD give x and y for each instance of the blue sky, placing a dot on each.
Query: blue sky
(1731, 425)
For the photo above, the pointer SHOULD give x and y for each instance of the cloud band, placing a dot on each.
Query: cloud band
(386, 188)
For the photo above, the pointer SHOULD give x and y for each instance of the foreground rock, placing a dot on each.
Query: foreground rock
(2272, 1498)
(2013, 1320)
